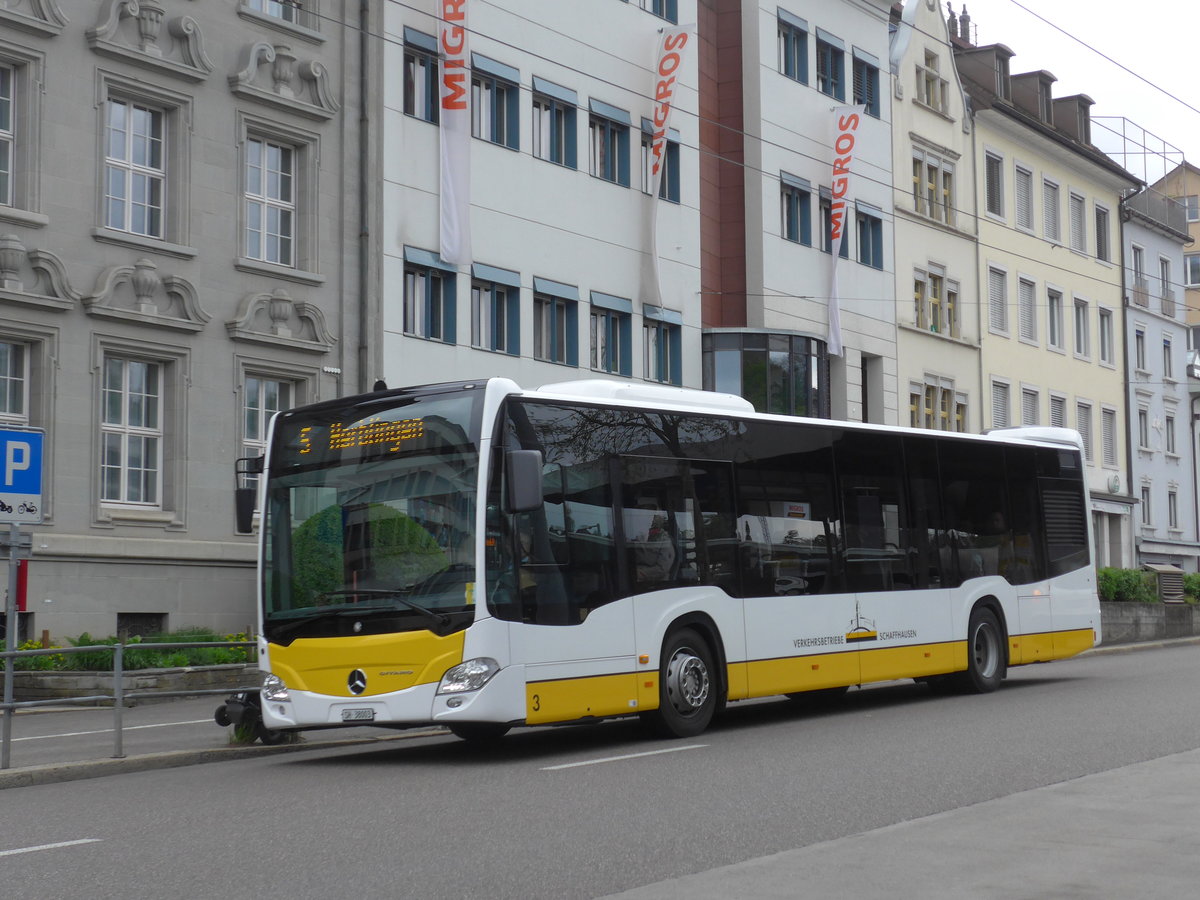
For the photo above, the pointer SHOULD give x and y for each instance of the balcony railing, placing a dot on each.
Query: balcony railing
(1141, 292)
(1159, 208)
(1168, 303)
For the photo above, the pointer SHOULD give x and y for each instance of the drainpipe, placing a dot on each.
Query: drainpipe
(364, 226)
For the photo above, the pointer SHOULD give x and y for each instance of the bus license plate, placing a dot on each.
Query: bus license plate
(358, 715)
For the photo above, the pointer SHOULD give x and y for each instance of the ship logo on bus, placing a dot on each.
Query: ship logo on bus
(861, 629)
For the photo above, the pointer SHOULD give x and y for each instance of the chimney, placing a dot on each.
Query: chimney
(952, 20)
(964, 25)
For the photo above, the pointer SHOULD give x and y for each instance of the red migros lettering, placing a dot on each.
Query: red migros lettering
(665, 90)
(668, 64)
(454, 90)
(676, 41)
(841, 165)
(836, 215)
(452, 10)
(844, 144)
(848, 123)
(456, 35)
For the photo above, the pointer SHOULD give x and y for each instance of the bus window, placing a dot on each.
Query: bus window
(870, 472)
(927, 533)
(976, 506)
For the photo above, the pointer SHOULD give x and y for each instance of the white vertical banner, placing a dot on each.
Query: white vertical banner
(668, 64)
(455, 115)
(846, 120)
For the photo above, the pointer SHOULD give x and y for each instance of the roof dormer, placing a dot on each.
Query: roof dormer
(987, 67)
(1031, 93)
(1073, 117)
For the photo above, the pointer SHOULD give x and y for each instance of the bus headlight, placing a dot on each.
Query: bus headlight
(468, 676)
(273, 689)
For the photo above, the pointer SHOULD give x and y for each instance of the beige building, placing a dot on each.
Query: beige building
(1050, 275)
(1183, 185)
(938, 322)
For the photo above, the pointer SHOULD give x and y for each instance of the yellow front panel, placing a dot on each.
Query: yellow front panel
(1068, 643)
(391, 662)
(802, 673)
(888, 663)
(580, 698)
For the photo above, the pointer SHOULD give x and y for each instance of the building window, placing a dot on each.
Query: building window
(554, 329)
(664, 9)
(1165, 291)
(870, 238)
(287, 10)
(135, 168)
(1078, 224)
(495, 316)
(429, 307)
(933, 186)
(1102, 249)
(14, 383)
(1054, 318)
(777, 373)
(1051, 227)
(1029, 407)
(793, 47)
(1058, 412)
(826, 205)
(1027, 310)
(866, 84)
(261, 399)
(1191, 206)
(1169, 434)
(1106, 337)
(1168, 360)
(1191, 269)
(611, 340)
(1143, 421)
(608, 149)
(495, 106)
(420, 76)
(131, 432)
(661, 342)
(1023, 190)
(1139, 350)
(936, 405)
(831, 60)
(7, 137)
(795, 209)
(993, 175)
(1172, 509)
(554, 129)
(1083, 347)
(1108, 433)
(1000, 405)
(1147, 517)
(270, 202)
(1083, 424)
(932, 89)
(668, 185)
(998, 301)
(936, 302)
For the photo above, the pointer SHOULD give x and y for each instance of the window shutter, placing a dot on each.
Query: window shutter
(1109, 429)
(999, 405)
(1028, 311)
(997, 300)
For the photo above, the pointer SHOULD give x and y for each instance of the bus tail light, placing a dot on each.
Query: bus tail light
(468, 676)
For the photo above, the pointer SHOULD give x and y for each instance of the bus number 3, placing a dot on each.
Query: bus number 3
(537, 702)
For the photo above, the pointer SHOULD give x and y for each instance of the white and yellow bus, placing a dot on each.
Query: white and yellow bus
(479, 556)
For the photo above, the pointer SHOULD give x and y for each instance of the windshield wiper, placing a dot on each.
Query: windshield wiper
(396, 594)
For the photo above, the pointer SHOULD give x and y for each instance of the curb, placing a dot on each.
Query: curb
(54, 773)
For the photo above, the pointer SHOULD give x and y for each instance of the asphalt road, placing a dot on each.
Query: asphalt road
(777, 796)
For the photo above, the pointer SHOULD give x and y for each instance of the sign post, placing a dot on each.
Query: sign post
(20, 503)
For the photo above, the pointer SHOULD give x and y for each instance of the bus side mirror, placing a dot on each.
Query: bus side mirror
(523, 470)
(244, 497)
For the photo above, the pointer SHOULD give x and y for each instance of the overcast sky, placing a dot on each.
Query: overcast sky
(1156, 39)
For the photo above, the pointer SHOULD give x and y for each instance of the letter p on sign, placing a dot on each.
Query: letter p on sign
(16, 459)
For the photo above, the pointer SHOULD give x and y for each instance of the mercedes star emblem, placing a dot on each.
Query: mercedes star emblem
(357, 681)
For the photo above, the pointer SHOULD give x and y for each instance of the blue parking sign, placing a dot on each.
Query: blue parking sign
(20, 476)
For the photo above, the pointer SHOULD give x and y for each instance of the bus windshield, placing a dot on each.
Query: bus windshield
(369, 517)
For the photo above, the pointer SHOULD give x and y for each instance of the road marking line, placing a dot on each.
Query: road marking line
(50, 846)
(42, 737)
(608, 759)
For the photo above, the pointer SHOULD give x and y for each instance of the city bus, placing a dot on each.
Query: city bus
(479, 556)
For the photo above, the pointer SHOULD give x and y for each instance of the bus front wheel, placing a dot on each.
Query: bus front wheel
(986, 664)
(687, 686)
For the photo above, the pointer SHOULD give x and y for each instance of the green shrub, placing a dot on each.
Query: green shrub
(1191, 587)
(1127, 585)
(46, 663)
(140, 652)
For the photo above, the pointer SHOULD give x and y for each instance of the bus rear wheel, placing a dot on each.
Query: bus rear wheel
(986, 663)
(687, 686)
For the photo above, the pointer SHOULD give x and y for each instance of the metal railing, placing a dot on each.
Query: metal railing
(119, 696)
